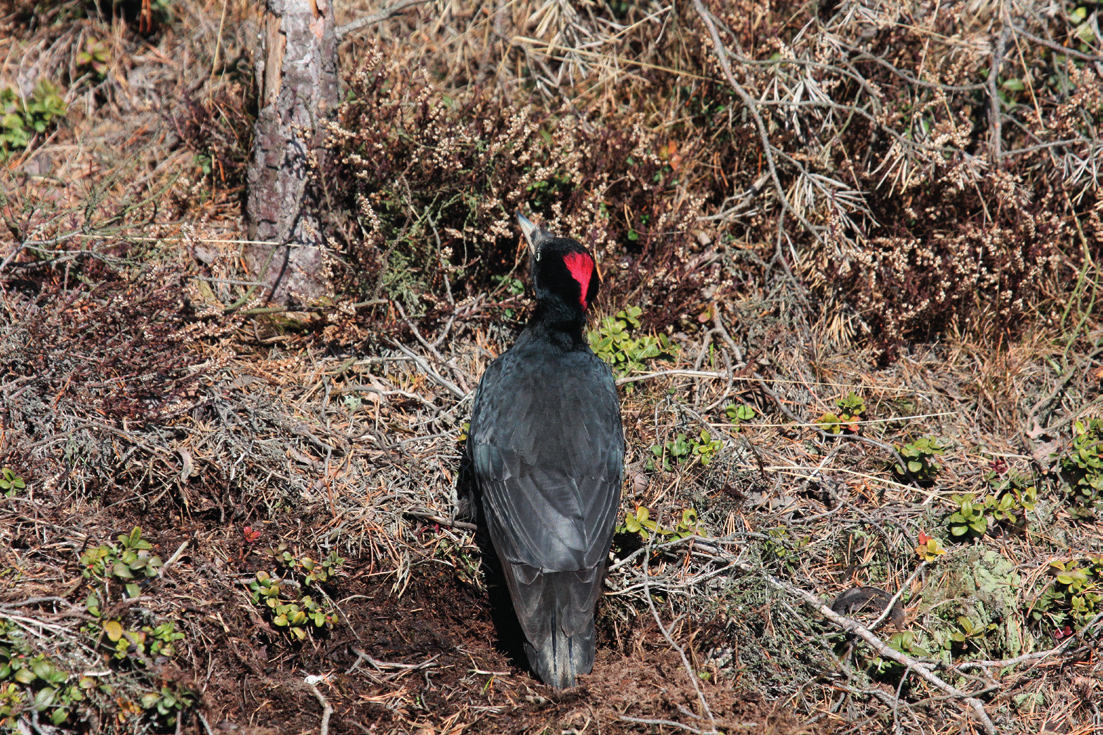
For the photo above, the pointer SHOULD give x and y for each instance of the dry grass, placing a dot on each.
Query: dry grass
(789, 227)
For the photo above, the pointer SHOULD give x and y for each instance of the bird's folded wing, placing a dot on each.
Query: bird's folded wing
(543, 518)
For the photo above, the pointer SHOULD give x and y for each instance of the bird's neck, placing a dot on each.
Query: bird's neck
(562, 327)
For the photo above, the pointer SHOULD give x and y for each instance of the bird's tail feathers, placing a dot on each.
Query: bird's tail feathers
(562, 646)
(556, 612)
(563, 656)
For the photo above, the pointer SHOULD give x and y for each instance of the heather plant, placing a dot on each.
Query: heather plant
(435, 181)
(892, 211)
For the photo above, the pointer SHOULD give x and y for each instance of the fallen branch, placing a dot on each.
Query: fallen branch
(382, 15)
(425, 368)
(669, 373)
(846, 624)
(882, 649)
(327, 708)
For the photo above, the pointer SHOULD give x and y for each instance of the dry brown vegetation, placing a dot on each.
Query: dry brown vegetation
(899, 202)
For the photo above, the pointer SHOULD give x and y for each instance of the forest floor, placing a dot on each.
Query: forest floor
(216, 517)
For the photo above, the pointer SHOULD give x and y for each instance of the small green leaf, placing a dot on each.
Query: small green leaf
(113, 629)
(44, 698)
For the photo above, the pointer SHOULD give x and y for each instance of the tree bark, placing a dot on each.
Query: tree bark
(297, 76)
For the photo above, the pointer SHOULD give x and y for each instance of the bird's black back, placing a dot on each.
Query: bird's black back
(548, 450)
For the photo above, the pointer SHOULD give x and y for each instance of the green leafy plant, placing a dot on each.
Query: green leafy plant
(1006, 506)
(919, 458)
(688, 524)
(10, 483)
(1081, 470)
(639, 522)
(125, 644)
(1074, 596)
(95, 57)
(739, 413)
(12, 700)
(969, 635)
(702, 447)
(782, 547)
(133, 649)
(613, 342)
(1013, 493)
(514, 287)
(21, 119)
(134, 645)
(675, 449)
(904, 642)
(851, 410)
(127, 560)
(310, 571)
(705, 447)
(969, 519)
(290, 610)
(166, 704)
(929, 548)
(462, 556)
(31, 682)
(162, 639)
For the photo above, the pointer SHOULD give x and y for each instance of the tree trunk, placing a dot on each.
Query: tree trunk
(297, 75)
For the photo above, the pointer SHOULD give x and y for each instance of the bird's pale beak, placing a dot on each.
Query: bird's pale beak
(530, 231)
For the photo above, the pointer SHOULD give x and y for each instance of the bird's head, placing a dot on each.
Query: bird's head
(564, 274)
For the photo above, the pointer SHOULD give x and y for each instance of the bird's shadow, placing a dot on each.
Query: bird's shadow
(509, 637)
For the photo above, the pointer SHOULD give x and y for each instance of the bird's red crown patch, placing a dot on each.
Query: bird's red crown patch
(581, 267)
